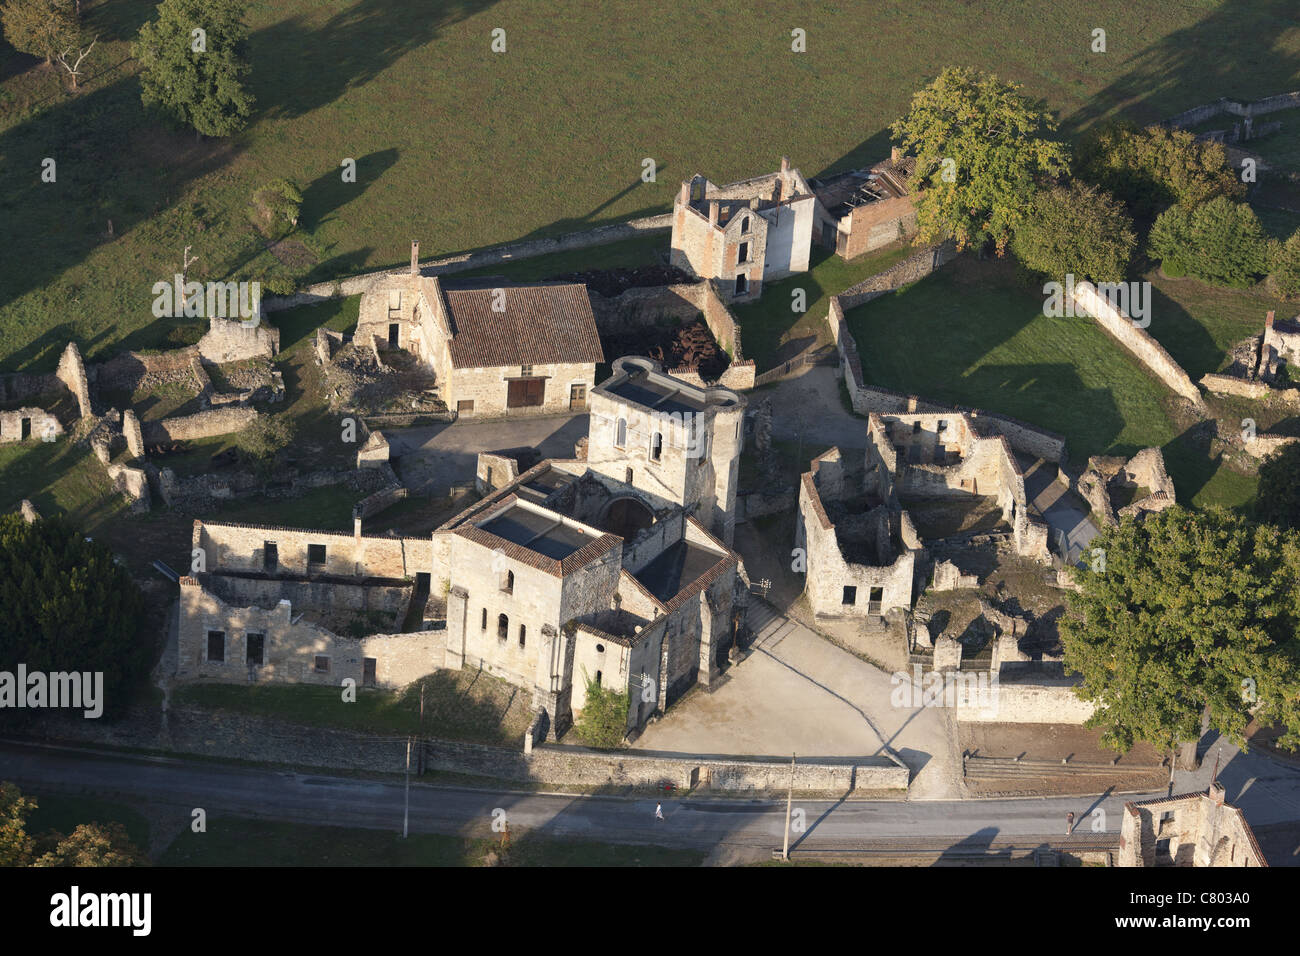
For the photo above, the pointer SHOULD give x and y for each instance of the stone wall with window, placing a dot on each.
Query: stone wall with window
(488, 392)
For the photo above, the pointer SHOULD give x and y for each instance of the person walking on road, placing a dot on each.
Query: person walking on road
(659, 811)
(1069, 823)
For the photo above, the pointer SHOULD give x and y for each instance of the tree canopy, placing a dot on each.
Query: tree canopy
(1153, 168)
(603, 719)
(194, 59)
(1076, 230)
(982, 150)
(42, 28)
(68, 606)
(1193, 611)
(90, 844)
(1220, 242)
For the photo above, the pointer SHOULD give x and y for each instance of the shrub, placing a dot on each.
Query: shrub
(1220, 242)
(603, 721)
(1079, 230)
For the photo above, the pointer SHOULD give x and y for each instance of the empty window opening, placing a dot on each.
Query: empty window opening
(628, 477)
(657, 446)
(743, 255)
(508, 582)
(503, 627)
(742, 284)
(394, 335)
(270, 556)
(876, 597)
(620, 434)
(217, 647)
(315, 554)
(484, 619)
(744, 227)
(322, 664)
(369, 669)
(916, 428)
(523, 634)
(597, 678)
(850, 595)
(255, 648)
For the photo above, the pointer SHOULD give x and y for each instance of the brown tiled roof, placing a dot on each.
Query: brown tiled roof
(541, 325)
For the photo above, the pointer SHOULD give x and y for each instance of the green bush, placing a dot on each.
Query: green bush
(1076, 230)
(1220, 242)
(603, 720)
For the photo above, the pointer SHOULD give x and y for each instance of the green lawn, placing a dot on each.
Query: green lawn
(772, 332)
(463, 148)
(1198, 323)
(234, 841)
(994, 349)
(459, 705)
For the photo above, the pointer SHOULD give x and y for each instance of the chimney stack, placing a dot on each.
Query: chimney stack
(896, 155)
(713, 212)
(686, 194)
(415, 257)
(1217, 793)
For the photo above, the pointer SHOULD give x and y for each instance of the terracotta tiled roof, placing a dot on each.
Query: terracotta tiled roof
(541, 325)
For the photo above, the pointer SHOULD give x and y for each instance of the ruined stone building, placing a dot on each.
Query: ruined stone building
(494, 349)
(1280, 347)
(675, 442)
(746, 233)
(1192, 829)
(574, 570)
(869, 208)
(862, 546)
(282, 604)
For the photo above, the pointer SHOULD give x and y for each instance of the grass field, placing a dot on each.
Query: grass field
(233, 841)
(459, 705)
(464, 148)
(772, 332)
(999, 352)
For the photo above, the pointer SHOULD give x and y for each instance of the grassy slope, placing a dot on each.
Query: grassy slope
(464, 148)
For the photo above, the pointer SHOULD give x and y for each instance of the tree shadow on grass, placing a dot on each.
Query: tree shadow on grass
(1183, 336)
(1233, 51)
(317, 65)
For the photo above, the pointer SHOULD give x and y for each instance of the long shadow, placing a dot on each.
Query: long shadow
(317, 65)
(1183, 337)
(1233, 51)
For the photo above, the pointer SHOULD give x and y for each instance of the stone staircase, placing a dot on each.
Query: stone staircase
(768, 626)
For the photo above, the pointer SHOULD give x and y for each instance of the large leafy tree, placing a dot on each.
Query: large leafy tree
(68, 606)
(1278, 498)
(1284, 267)
(1153, 168)
(1221, 242)
(1192, 614)
(16, 846)
(42, 28)
(982, 151)
(92, 844)
(1078, 230)
(197, 78)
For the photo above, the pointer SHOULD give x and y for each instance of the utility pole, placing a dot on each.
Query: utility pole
(406, 810)
(789, 801)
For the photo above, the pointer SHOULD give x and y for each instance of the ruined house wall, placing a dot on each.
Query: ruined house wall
(217, 421)
(25, 386)
(72, 373)
(828, 573)
(229, 340)
(290, 648)
(319, 595)
(876, 224)
(645, 305)
(237, 547)
(130, 371)
(1029, 702)
(41, 425)
(488, 389)
(1146, 349)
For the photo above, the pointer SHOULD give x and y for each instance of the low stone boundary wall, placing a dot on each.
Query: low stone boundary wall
(263, 739)
(1039, 702)
(915, 267)
(1199, 114)
(1141, 345)
(355, 285)
(1245, 388)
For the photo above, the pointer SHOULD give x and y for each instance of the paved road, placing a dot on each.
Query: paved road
(352, 802)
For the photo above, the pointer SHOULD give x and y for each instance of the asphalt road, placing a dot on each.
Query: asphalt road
(697, 822)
